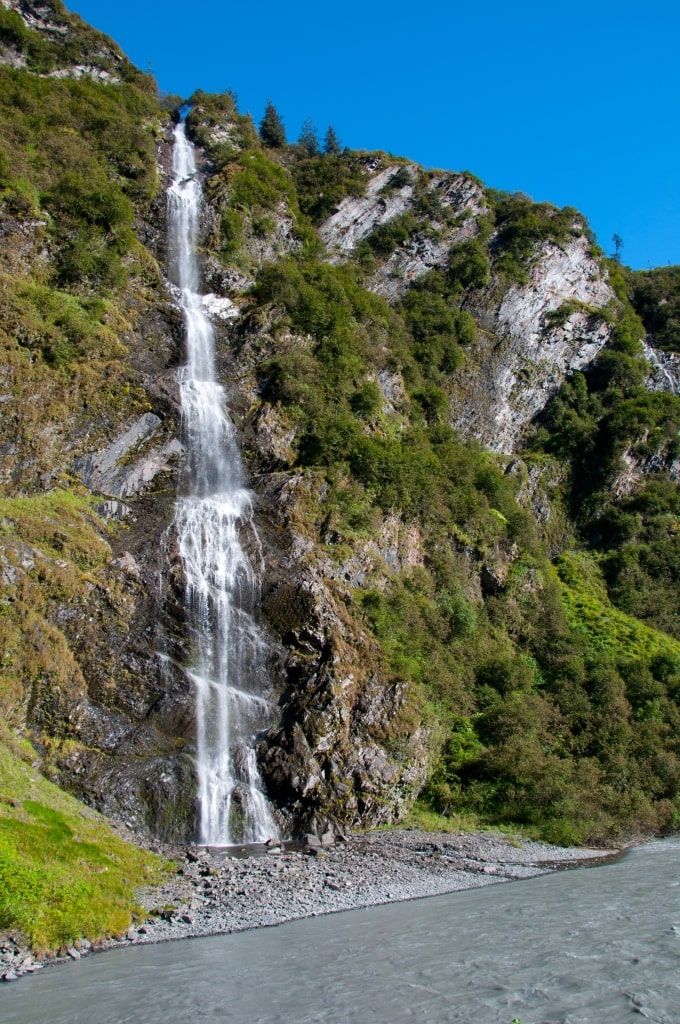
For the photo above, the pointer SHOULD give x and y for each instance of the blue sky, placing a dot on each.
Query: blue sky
(576, 103)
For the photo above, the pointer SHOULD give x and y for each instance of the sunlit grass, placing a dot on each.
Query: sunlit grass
(605, 629)
(64, 873)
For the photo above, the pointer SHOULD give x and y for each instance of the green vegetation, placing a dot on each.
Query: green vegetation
(323, 181)
(534, 688)
(655, 295)
(272, 132)
(595, 420)
(77, 44)
(522, 224)
(64, 873)
(207, 120)
(74, 153)
(77, 165)
(52, 550)
(63, 329)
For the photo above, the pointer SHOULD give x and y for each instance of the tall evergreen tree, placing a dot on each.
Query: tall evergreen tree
(272, 131)
(331, 142)
(309, 139)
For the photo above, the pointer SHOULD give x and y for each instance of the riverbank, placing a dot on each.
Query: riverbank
(215, 892)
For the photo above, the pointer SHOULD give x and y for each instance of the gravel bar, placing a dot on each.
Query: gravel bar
(215, 891)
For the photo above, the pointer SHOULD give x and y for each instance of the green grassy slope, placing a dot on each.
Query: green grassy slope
(64, 873)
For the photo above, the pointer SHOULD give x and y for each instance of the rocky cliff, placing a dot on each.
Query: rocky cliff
(415, 365)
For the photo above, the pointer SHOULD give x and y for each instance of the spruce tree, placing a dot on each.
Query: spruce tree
(309, 139)
(331, 142)
(272, 132)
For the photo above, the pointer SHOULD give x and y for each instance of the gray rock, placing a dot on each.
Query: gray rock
(116, 471)
(521, 359)
(357, 217)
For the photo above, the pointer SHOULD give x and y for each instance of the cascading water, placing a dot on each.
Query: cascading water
(228, 669)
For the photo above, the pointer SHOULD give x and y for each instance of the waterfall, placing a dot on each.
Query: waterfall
(227, 648)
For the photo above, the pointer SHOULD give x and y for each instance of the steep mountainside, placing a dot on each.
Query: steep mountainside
(465, 465)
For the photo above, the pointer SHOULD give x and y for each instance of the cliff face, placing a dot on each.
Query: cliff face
(390, 339)
(537, 336)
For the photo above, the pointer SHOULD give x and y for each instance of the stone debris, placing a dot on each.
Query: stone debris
(16, 960)
(214, 891)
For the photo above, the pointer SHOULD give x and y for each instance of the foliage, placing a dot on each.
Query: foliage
(469, 265)
(79, 157)
(76, 44)
(437, 326)
(522, 225)
(215, 123)
(640, 541)
(331, 142)
(595, 419)
(655, 295)
(55, 324)
(257, 182)
(308, 141)
(52, 551)
(389, 236)
(322, 182)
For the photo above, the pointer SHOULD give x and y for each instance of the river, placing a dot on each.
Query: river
(586, 946)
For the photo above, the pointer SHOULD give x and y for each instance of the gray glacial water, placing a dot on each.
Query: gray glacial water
(586, 946)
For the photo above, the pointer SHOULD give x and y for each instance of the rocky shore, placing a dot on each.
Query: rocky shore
(215, 891)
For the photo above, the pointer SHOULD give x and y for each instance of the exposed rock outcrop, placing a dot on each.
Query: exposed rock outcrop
(358, 217)
(664, 369)
(429, 249)
(346, 750)
(539, 333)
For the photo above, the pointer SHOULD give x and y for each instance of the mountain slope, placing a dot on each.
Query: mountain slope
(466, 475)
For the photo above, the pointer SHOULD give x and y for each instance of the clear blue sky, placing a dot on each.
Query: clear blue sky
(576, 103)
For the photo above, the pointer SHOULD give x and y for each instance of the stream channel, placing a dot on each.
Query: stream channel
(594, 945)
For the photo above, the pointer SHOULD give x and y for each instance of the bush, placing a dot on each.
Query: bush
(522, 225)
(655, 295)
(322, 182)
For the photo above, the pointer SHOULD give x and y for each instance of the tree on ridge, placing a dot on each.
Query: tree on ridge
(272, 132)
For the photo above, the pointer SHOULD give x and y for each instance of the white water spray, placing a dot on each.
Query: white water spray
(228, 669)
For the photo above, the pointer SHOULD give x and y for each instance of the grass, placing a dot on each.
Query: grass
(64, 873)
(422, 817)
(605, 629)
(61, 523)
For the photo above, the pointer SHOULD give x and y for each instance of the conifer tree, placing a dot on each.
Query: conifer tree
(272, 132)
(309, 139)
(331, 142)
